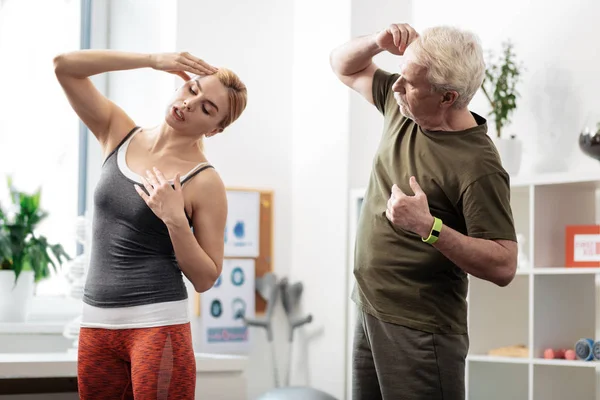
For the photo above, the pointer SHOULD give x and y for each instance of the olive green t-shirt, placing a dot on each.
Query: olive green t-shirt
(399, 278)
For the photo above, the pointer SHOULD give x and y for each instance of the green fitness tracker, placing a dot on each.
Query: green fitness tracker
(435, 231)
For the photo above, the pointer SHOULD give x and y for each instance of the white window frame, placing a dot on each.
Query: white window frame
(50, 312)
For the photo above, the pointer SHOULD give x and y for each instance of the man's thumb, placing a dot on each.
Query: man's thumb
(415, 186)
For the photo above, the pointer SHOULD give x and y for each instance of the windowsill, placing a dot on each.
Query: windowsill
(32, 328)
(48, 316)
(64, 364)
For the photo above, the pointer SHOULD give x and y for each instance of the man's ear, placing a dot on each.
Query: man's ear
(449, 98)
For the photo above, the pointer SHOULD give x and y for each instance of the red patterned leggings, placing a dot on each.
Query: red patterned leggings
(141, 364)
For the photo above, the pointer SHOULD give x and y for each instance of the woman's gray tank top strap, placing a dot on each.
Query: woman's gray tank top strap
(131, 132)
(199, 168)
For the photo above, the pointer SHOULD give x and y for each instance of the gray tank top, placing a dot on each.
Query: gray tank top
(132, 261)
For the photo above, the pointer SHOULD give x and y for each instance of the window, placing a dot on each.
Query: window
(39, 132)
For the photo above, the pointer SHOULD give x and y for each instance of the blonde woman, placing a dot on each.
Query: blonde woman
(159, 213)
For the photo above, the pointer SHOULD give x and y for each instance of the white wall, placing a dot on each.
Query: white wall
(560, 86)
(142, 26)
(254, 39)
(98, 40)
(335, 135)
(228, 33)
(319, 194)
(366, 122)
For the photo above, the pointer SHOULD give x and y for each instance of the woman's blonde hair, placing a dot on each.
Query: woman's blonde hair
(454, 61)
(238, 97)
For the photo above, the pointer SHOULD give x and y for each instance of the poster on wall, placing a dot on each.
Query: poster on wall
(242, 229)
(224, 305)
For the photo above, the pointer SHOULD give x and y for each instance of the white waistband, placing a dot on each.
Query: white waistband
(145, 316)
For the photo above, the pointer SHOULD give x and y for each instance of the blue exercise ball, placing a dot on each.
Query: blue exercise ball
(295, 393)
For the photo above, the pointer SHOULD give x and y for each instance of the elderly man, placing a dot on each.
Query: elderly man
(437, 208)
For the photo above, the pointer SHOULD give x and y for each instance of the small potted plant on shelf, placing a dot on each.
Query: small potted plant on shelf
(25, 256)
(500, 88)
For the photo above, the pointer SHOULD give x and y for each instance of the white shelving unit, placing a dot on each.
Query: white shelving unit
(546, 305)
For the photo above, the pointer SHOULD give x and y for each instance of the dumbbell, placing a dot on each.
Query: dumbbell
(564, 354)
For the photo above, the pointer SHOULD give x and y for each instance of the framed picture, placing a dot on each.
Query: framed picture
(582, 246)
(242, 232)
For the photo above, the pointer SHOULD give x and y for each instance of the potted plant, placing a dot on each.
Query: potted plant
(499, 87)
(25, 256)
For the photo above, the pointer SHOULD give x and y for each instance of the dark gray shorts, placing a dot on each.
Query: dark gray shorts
(393, 362)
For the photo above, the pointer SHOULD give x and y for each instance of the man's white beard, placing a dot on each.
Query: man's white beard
(405, 111)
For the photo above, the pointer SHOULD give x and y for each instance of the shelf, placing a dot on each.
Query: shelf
(565, 271)
(535, 361)
(566, 363)
(558, 271)
(495, 359)
(556, 178)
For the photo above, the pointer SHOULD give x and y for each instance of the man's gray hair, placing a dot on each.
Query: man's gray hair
(454, 61)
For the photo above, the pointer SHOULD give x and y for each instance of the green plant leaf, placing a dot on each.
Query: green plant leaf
(5, 247)
(17, 267)
(499, 85)
(20, 248)
(59, 253)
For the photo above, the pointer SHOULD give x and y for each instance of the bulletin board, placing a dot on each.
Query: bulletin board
(243, 202)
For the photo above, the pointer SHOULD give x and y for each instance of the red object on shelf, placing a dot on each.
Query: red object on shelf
(551, 354)
(582, 246)
(570, 354)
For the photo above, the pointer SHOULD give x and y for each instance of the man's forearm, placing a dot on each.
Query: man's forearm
(482, 258)
(86, 63)
(193, 261)
(355, 55)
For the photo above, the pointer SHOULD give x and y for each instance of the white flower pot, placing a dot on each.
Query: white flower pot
(511, 151)
(15, 300)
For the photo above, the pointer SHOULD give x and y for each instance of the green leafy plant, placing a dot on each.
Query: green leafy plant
(499, 85)
(21, 249)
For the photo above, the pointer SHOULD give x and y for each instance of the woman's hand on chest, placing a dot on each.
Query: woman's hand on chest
(164, 199)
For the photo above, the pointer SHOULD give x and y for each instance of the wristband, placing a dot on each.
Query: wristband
(435, 231)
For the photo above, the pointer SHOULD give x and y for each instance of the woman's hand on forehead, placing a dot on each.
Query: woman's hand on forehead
(182, 64)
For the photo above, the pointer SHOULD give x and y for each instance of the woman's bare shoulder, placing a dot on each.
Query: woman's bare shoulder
(206, 187)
